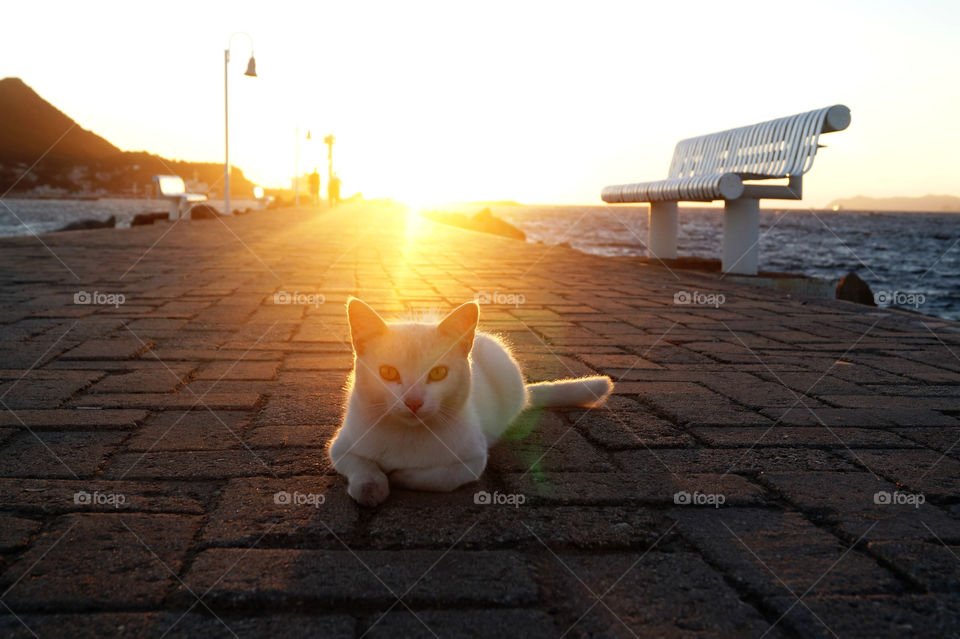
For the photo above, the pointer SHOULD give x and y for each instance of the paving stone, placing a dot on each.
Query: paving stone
(61, 495)
(152, 379)
(56, 454)
(750, 461)
(73, 419)
(465, 624)
(775, 553)
(925, 471)
(100, 560)
(877, 616)
(653, 594)
(183, 400)
(851, 502)
(190, 430)
(16, 532)
(813, 437)
(175, 625)
(125, 348)
(215, 464)
(652, 486)
(293, 510)
(239, 370)
(252, 579)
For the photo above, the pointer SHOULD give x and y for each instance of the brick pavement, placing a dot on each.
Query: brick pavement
(162, 466)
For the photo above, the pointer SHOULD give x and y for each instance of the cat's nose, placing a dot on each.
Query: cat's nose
(413, 404)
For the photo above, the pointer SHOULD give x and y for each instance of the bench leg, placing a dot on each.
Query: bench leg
(741, 235)
(174, 210)
(662, 238)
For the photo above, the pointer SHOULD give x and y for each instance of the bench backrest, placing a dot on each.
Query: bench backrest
(170, 185)
(777, 148)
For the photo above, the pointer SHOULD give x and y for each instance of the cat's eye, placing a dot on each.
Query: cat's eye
(437, 373)
(389, 373)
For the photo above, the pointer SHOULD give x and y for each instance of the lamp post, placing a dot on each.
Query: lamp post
(296, 167)
(252, 72)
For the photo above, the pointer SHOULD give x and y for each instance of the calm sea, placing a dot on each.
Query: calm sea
(25, 217)
(910, 257)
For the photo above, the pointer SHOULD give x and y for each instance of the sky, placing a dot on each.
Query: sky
(538, 102)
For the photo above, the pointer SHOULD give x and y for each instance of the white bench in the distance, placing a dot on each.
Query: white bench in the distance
(717, 166)
(172, 189)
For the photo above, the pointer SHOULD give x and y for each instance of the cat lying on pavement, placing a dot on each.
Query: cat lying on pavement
(428, 398)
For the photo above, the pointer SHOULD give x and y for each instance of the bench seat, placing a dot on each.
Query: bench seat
(702, 188)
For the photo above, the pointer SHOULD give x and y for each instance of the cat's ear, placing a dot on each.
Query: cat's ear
(461, 324)
(364, 323)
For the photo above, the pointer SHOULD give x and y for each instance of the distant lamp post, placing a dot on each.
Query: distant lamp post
(296, 167)
(329, 141)
(252, 72)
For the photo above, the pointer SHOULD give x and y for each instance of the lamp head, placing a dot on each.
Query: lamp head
(251, 67)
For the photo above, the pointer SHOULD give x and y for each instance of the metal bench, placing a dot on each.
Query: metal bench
(172, 189)
(718, 166)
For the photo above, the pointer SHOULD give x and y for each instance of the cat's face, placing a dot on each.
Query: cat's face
(412, 373)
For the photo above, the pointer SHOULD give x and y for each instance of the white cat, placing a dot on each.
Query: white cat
(427, 399)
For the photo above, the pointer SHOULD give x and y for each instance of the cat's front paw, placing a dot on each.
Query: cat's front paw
(370, 491)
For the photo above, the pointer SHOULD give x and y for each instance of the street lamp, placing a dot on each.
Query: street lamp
(252, 72)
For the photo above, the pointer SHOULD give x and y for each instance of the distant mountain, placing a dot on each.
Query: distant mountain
(925, 204)
(71, 160)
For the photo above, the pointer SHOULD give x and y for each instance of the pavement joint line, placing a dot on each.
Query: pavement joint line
(949, 448)
(177, 577)
(38, 360)
(37, 437)
(800, 398)
(18, 618)
(782, 415)
(587, 411)
(200, 402)
(599, 598)
(942, 542)
(819, 579)
(777, 577)
(39, 559)
(399, 598)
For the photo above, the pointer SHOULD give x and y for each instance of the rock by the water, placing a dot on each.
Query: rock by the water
(83, 225)
(204, 212)
(143, 219)
(483, 222)
(487, 222)
(853, 289)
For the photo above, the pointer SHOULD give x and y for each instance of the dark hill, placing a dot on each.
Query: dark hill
(71, 160)
(29, 126)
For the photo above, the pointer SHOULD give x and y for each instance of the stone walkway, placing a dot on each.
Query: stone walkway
(768, 467)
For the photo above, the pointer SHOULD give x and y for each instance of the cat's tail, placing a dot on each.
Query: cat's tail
(584, 391)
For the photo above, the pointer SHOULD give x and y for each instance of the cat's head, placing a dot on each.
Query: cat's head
(412, 373)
